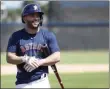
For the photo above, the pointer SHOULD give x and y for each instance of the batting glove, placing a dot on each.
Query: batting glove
(30, 61)
(29, 68)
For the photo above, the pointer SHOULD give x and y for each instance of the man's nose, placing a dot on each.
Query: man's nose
(37, 18)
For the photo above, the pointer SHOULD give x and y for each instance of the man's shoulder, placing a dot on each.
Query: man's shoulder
(46, 31)
(48, 34)
(17, 33)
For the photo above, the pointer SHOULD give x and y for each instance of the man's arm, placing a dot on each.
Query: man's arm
(11, 56)
(13, 59)
(54, 51)
(50, 60)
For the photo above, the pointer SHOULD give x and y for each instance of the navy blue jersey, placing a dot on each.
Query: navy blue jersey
(23, 43)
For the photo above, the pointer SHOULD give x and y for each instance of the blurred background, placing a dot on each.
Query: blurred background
(82, 31)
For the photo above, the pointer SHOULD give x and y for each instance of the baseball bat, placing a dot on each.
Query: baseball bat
(47, 53)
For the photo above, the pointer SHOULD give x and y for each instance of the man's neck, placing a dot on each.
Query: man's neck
(32, 31)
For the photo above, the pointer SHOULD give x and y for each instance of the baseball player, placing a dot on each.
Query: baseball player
(24, 50)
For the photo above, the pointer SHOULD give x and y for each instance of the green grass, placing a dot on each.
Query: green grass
(78, 57)
(84, 80)
(84, 57)
(3, 58)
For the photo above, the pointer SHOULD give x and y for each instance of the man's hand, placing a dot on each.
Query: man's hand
(31, 61)
(29, 68)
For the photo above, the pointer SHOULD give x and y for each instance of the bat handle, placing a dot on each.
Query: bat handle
(61, 84)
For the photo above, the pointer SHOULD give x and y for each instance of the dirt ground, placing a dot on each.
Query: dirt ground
(64, 68)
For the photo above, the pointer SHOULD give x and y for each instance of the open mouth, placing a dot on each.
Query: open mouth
(35, 23)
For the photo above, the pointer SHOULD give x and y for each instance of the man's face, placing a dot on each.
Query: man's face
(32, 20)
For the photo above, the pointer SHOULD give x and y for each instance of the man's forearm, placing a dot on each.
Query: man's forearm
(50, 60)
(13, 59)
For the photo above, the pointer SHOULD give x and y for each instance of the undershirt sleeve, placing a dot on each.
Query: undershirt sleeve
(11, 47)
(52, 43)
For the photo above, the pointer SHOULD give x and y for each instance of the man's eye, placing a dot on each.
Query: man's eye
(31, 14)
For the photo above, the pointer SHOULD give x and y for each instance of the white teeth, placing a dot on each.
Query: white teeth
(36, 22)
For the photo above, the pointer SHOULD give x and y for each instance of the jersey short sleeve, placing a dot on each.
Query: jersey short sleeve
(52, 42)
(11, 44)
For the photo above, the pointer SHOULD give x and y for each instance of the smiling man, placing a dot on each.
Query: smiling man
(24, 50)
